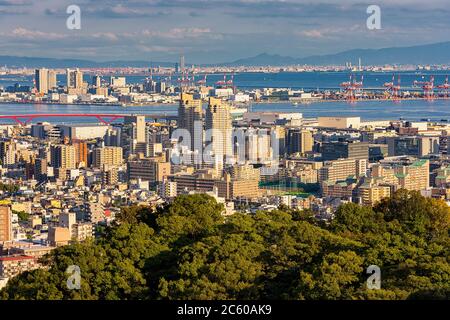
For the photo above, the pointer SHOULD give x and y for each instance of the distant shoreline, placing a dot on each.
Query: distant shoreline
(159, 104)
(150, 104)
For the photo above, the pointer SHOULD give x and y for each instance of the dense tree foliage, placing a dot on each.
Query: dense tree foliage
(11, 188)
(22, 215)
(187, 250)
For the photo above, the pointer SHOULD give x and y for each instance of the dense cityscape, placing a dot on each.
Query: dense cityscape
(64, 184)
(214, 159)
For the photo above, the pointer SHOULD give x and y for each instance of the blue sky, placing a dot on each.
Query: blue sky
(209, 31)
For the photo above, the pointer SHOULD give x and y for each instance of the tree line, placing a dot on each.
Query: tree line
(188, 250)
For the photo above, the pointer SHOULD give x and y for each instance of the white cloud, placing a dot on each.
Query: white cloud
(34, 34)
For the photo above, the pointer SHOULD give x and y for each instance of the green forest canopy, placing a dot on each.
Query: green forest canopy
(187, 250)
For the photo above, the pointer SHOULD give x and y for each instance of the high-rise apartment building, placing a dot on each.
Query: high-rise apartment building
(413, 176)
(75, 84)
(8, 151)
(40, 169)
(68, 220)
(218, 120)
(133, 135)
(5, 224)
(42, 80)
(63, 156)
(371, 194)
(299, 141)
(97, 81)
(258, 146)
(52, 80)
(81, 153)
(190, 117)
(110, 175)
(340, 170)
(139, 127)
(111, 156)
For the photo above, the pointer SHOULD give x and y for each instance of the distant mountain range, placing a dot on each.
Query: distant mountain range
(437, 53)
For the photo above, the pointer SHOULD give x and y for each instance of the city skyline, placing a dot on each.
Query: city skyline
(241, 152)
(212, 31)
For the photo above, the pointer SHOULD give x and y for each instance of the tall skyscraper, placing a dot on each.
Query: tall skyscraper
(182, 63)
(218, 119)
(81, 153)
(74, 79)
(5, 224)
(41, 79)
(63, 156)
(133, 134)
(52, 80)
(97, 81)
(190, 117)
(40, 169)
(8, 151)
(139, 122)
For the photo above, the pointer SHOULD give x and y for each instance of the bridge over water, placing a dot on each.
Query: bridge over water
(105, 118)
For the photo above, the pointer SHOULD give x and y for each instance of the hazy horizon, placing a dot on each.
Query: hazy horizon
(210, 31)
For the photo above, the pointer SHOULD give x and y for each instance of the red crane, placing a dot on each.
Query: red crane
(184, 81)
(231, 81)
(351, 87)
(428, 88)
(444, 88)
(393, 89)
(230, 84)
(202, 82)
(222, 83)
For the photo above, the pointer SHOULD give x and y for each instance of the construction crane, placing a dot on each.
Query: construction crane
(393, 89)
(444, 89)
(428, 88)
(351, 87)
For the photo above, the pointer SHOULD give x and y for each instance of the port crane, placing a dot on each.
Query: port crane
(393, 88)
(226, 83)
(352, 86)
(185, 81)
(222, 83)
(428, 87)
(202, 82)
(444, 88)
